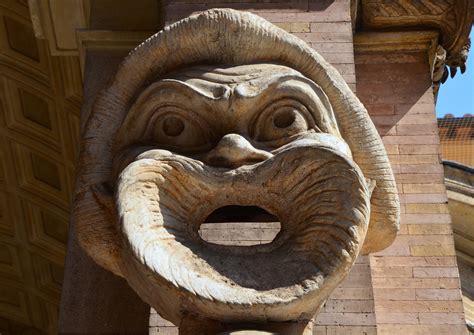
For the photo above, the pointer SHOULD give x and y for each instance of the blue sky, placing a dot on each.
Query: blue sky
(456, 95)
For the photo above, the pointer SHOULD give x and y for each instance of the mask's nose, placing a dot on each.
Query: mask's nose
(233, 151)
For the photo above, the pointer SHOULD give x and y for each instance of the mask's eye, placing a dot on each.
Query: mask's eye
(173, 128)
(280, 120)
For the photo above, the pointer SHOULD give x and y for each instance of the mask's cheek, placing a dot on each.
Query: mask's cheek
(154, 199)
(328, 198)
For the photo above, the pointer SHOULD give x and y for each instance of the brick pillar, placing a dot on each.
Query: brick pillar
(415, 281)
(325, 26)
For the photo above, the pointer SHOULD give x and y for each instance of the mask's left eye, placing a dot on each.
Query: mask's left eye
(281, 120)
(174, 128)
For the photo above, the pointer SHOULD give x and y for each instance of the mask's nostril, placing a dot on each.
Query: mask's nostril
(233, 151)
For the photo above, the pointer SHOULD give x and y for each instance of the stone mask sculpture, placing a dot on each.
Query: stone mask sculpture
(219, 109)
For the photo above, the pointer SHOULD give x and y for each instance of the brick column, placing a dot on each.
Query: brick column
(415, 281)
(325, 26)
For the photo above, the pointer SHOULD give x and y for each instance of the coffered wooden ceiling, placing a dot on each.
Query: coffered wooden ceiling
(40, 98)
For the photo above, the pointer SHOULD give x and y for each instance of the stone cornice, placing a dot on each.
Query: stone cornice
(395, 41)
(452, 18)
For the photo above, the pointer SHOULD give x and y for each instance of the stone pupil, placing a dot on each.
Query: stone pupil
(284, 118)
(173, 126)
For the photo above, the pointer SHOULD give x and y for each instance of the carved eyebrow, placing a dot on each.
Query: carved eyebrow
(263, 84)
(155, 96)
(206, 89)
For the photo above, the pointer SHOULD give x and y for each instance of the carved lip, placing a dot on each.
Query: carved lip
(319, 196)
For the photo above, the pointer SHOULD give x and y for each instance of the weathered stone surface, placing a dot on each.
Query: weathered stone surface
(268, 124)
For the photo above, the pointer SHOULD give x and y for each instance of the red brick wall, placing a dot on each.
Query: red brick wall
(415, 281)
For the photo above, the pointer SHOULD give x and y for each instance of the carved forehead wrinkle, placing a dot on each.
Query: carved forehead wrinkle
(231, 74)
(219, 82)
(246, 80)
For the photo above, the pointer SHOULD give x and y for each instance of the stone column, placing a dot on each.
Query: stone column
(95, 301)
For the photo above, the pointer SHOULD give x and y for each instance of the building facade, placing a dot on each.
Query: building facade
(457, 151)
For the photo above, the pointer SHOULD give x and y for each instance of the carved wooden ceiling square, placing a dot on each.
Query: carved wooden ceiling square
(32, 113)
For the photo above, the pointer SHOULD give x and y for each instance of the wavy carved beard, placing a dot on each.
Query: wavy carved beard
(319, 195)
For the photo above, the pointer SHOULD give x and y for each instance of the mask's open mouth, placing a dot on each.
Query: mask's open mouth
(168, 203)
(240, 226)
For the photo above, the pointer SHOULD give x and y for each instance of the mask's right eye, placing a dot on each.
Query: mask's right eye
(175, 128)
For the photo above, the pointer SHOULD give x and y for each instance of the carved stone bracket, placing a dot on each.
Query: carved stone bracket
(439, 71)
(452, 18)
(441, 62)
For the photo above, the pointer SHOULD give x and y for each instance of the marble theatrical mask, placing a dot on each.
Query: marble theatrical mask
(256, 135)
(202, 137)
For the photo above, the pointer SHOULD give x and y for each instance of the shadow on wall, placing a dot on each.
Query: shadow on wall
(396, 90)
(177, 10)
